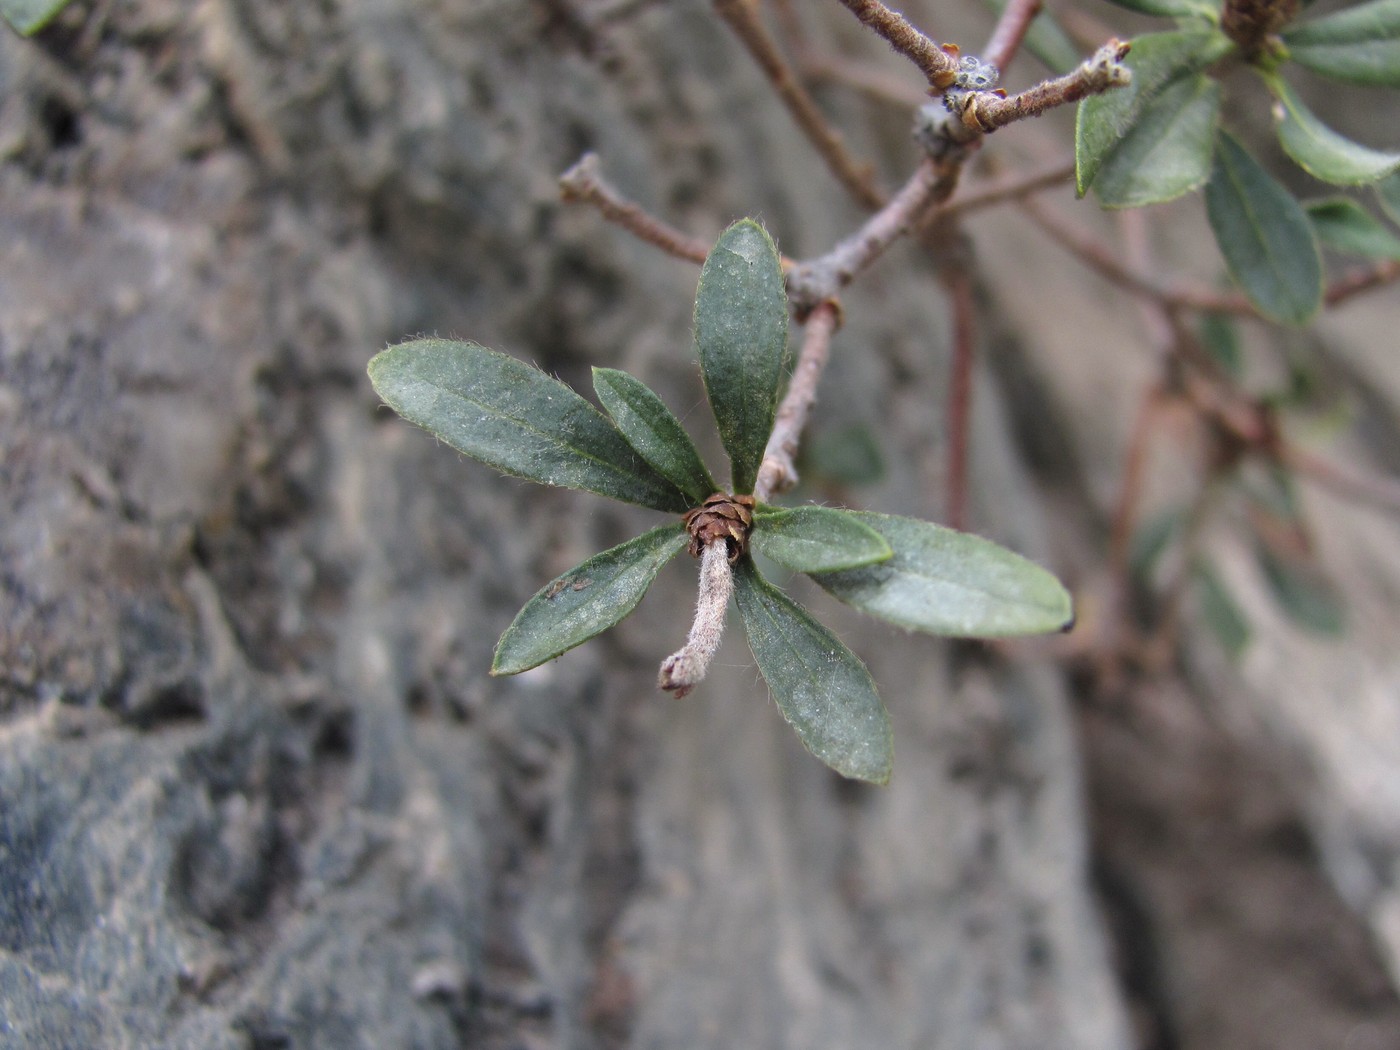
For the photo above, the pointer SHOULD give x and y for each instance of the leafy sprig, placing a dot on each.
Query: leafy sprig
(912, 573)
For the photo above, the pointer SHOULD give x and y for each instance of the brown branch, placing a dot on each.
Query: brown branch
(937, 65)
(1382, 492)
(778, 471)
(1005, 190)
(820, 279)
(743, 19)
(584, 184)
(982, 112)
(1362, 279)
(1016, 18)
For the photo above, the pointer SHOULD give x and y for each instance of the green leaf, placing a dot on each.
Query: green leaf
(1302, 592)
(1388, 194)
(741, 336)
(657, 435)
(30, 16)
(1046, 40)
(1172, 8)
(822, 689)
(816, 539)
(586, 600)
(517, 419)
(1150, 542)
(1157, 61)
(953, 583)
(1221, 340)
(1167, 153)
(1220, 612)
(1359, 45)
(1264, 235)
(1319, 150)
(1345, 226)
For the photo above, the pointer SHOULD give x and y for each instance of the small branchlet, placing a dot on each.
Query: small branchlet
(584, 184)
(684, 669)
(938, 65)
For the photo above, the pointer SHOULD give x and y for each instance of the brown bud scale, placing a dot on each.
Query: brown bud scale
(721, 517)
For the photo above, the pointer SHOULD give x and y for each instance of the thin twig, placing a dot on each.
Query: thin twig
(937, 65)
(583, 183)
(743, 19)
(684, 669)
(982, 112)
(1130, 486)
(778, 471)
(1362, 279)
(1005, 190)
(820, 279)
(1378, 491)
(1089, 250)
(1016, 18)
(869, 82)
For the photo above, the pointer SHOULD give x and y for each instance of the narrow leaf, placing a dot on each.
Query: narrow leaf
(1171, 8)
(822, 689)
(586, 600)
(1303, 593)
(952, 583)
(1221, 613)
(741, 337)
(1157, 60)
(1221, 340)
(1388, 194)
(1345, 226)
(30, 16)
(1264, 235)
(517, 419)
(817, 539)
(1319, 150)
(1359, 45)
(651, 428)
(1167, 153)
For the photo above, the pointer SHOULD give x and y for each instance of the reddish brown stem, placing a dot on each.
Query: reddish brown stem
(938, 66)
(1005, 190)
(778, 471)
(743, 19)
(1125, 509)
(1011, 27)
(982, 112)
(584, 183)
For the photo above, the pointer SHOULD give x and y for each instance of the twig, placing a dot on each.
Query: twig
(1011, 27)
(820, 279)
(1092, 252)
(982, 112)
(742, 18)
(1380, 492)
(1125, 508)
(1362, 279)
(937, 65)
(1005, 190)
(583, 183)
(869, 82)
(684, 669)
(778, 471)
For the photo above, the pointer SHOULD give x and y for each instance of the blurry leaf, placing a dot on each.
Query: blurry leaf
(1047, 41)
(651, 428)
(1172, 8)
(1345, 226)
(1388, 193)
(1157, 60)
(1274, 490)
(741, 321)
(1221, 341)
(1319, 150)
(1359, 45)
(586, 600)
(1168, 151)
(1302, 592)
(1150, 541)
(517, 419)
(1264, 235)
(822, 689)
(1220, 613)
(850, 456)
(30, 16)
(816, 539)
(953, 583)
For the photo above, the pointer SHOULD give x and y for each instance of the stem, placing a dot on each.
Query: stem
(684, 669)
(982, 112)
(743, 19)
(1130, 487)
(1005, 190)
(959, 287)
(1010, 30)
(938, 66)
(778, 472)
(583, 183)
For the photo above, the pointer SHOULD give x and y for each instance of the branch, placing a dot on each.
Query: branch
(778, 471)
(684, 669)
(937, 65)
(1011, 27)
(982, 112)
(856, 178)
(584, 184)
(1005, 190)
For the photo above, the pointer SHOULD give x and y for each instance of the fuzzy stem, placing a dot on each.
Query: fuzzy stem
(937, 66)
(982, 112)
(584, 183)
(778, 472)
(684, 669)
